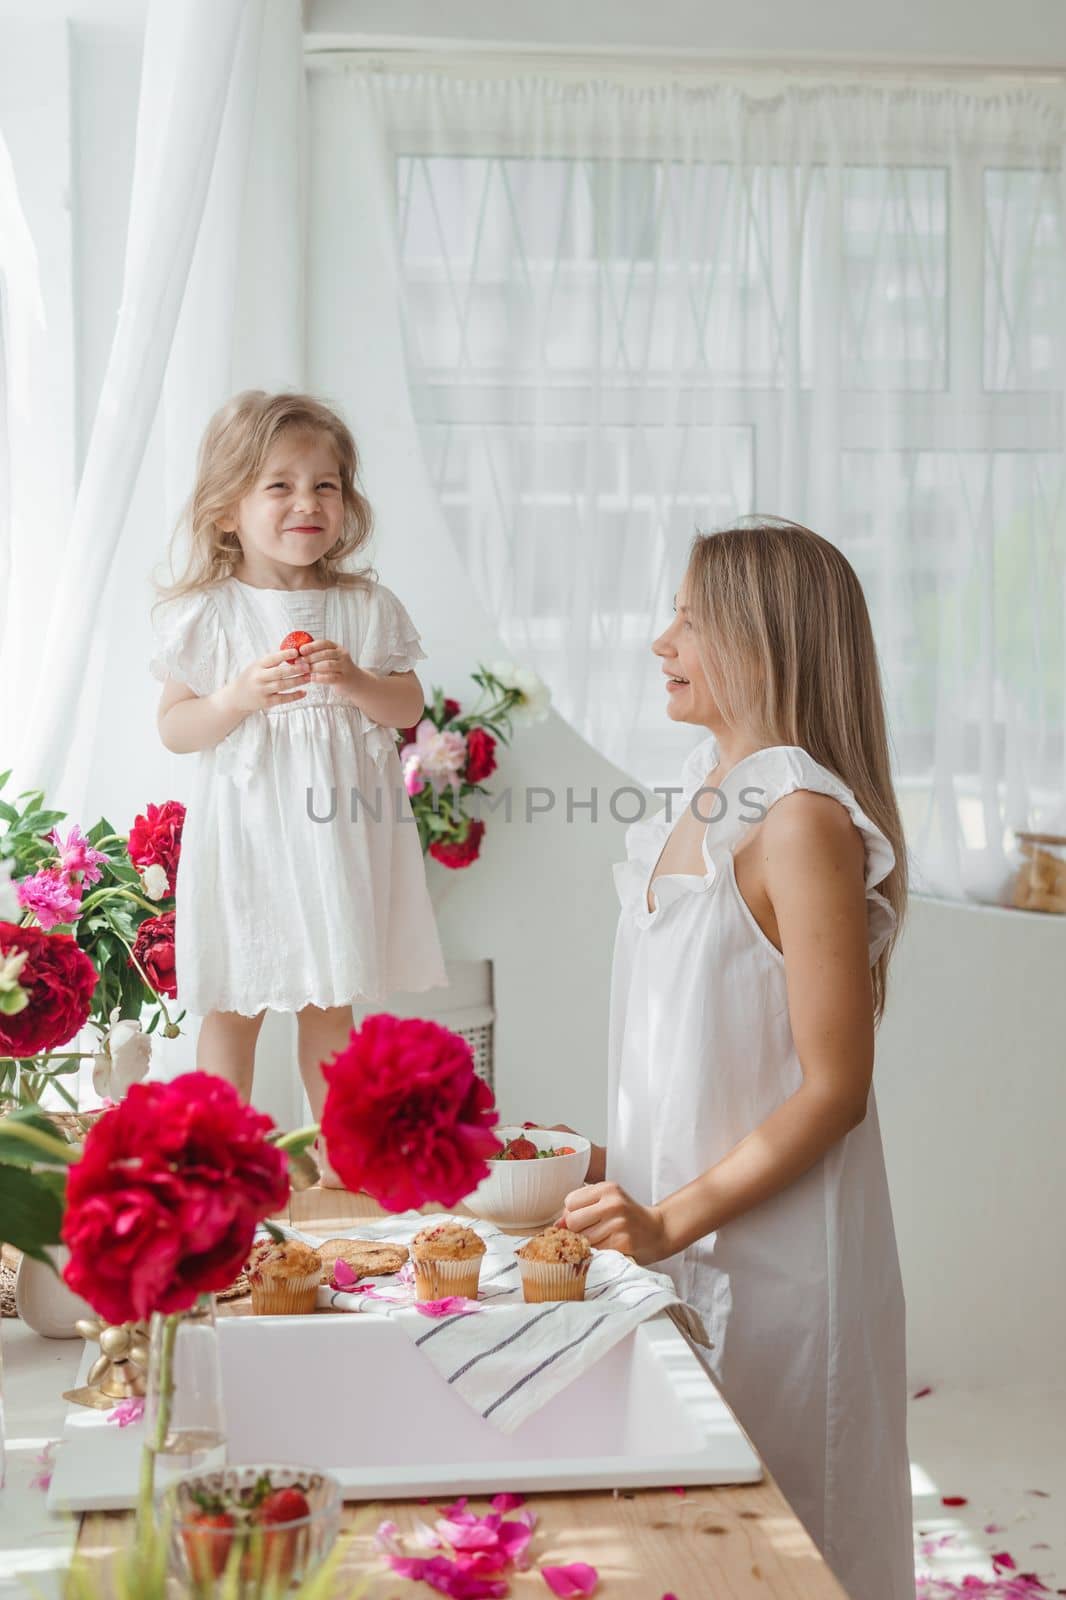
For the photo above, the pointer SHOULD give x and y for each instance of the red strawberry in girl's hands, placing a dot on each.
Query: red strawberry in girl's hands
(293, 641)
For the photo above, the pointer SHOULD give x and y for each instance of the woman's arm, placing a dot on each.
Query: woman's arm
(812, 866)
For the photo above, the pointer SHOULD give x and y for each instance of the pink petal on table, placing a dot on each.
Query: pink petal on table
(448, 1578)
(127, 1411)
(679, 1490)
(476, 1535)
(1004, 1560)
(994, 1527)
(507, 1502)
(387, 1538)
(578, 1578)
(920, 1394)
(453, 1305)
(953, 1500)
(514, 1539)
(343, 1275)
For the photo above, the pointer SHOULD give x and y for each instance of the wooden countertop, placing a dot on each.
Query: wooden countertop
(707, 1544)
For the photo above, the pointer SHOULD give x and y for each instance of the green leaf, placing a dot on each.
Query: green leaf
(274, 1232)
(4, 776)
(20, 1152)
(8, 813)
(31, 1213)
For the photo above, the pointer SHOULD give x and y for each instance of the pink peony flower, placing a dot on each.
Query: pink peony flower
(441, 755)
(52, 896)
(413, 780)
(76, 854)
(164, 1203)
(406, 1117)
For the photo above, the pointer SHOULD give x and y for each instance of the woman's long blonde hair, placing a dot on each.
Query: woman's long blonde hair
(788, 649)
(235, 446)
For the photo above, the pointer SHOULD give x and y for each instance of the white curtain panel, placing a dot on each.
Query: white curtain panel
(634, 310)
(188, 75)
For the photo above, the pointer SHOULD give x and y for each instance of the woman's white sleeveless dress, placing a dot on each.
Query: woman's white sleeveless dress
(802, 1296)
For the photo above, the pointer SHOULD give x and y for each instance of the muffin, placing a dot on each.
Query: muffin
(447, 1260)
(284, 1278)
(554, 1265)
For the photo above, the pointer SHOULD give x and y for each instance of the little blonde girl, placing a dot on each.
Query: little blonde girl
(301, 885)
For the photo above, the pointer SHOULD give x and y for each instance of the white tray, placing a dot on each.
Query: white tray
(352, 1394)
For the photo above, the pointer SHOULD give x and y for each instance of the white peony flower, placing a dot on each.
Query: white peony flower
(536, 696)
(10, 910)
(124, 1059)
(155, 882)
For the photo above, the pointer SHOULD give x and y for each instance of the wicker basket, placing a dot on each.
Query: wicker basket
(1040, 882)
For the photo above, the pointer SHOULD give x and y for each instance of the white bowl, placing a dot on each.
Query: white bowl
(530, 1194)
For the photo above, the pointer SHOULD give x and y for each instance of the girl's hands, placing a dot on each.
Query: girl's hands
(268, 682)
(331, 663)
(611, 1220)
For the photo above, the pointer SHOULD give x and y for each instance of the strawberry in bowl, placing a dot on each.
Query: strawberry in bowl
(256, 1528)
(530, 1178)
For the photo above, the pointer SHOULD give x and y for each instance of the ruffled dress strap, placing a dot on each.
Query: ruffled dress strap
(391, 643)
(739, 801)
(755, 784)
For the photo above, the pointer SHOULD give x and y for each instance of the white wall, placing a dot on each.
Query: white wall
(970, 1079)
(1026, 33)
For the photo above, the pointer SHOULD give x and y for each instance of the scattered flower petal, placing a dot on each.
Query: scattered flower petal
(386, 1538)
(127, 1411)
(448, 1577)
(507, 1502)
(577, 1578)
(1004, 1561)
(953, 1500)
(45, 1460)
(994, 1527)
(452, 1305)
(920, 1394)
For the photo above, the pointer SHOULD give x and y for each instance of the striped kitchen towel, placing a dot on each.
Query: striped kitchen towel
(507, 1359)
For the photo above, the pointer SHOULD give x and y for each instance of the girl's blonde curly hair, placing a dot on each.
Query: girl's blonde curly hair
(235, 446)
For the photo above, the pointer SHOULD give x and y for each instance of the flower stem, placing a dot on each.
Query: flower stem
(113, 894)
(164, 1388)
(57, 1149)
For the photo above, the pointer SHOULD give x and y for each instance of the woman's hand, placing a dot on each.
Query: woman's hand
(610, 1219)
(268, 682)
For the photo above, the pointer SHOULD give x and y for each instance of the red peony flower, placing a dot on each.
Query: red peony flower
(451, 709)
(164, 1203)
(154, 949)
(480, 755)
(59, 979)
(459, 852)
(155, 839)
(406, 1117)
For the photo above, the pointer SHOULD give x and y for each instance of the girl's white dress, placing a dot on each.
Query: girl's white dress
(301, 879)
(802, 1296)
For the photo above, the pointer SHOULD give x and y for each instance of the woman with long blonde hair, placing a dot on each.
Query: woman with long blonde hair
(743, 1154)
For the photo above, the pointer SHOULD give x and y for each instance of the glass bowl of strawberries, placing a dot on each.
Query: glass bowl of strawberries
(530, 1178)
(252, 1531)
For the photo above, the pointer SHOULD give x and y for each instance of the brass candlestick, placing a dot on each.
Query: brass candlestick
(120, 1371)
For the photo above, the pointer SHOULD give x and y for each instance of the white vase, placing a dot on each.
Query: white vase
(43, 1300)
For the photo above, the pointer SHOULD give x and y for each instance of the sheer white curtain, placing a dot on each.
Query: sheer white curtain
(636, 309)
(211, 301)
